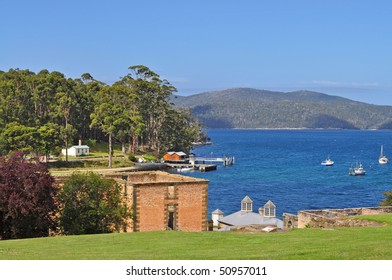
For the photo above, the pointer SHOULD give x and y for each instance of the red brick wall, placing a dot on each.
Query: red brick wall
(150, 208)
(152, 201)
(192, 207)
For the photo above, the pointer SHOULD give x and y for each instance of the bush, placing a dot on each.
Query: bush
(92, 204)
(388, 200)
(149, 158)
(27, 198)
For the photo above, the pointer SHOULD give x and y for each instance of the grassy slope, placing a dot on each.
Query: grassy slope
(343, 243)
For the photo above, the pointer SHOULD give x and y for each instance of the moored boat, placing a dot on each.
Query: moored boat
(382, 159)
(357, 171)
(185, 169)
(327, 162)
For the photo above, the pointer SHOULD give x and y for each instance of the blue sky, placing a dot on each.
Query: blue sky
(336, 47)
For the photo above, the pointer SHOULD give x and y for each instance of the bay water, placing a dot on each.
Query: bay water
(284, 166)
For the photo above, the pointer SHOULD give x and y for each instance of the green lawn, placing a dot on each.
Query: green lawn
(300, 244)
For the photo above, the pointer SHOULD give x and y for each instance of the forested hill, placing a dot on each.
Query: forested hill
(252, 108)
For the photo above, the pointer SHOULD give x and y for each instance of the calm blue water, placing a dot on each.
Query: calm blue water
(284, 166)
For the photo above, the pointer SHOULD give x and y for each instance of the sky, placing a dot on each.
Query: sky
(336, 47)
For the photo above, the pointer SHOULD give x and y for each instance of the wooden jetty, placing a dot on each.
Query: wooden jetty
(202, 164)
(225, 160)
(200, 167)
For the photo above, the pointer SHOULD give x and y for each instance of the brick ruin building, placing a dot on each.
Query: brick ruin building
(163, 201)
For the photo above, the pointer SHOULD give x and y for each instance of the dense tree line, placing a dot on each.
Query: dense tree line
(40, 113)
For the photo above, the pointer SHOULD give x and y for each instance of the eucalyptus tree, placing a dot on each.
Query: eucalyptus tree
(109, 112)
(153, 95)
(179, 130)
(16, 88)
(64, 104)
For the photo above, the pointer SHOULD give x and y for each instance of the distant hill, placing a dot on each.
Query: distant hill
(253, 108)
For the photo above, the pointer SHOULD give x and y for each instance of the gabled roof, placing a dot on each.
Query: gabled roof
(269, 204)
(81, 147)
(218, 211)
(178, 153)
(246, 199)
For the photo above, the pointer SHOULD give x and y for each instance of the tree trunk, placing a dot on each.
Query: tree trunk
(110, 150)
(66, 149)
(130, 147)
(123, 148)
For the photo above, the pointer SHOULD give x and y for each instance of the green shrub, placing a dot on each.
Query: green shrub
(92, 204)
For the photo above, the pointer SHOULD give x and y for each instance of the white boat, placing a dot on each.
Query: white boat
(185, 169)
(327, 162)
(382, 159)
(357, 171)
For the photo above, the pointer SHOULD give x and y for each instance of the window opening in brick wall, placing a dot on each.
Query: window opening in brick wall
(171, 192)
(171, 217)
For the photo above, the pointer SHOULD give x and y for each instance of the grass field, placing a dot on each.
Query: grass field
(367, 243)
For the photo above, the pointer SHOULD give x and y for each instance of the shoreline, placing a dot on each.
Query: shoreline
(301, 128)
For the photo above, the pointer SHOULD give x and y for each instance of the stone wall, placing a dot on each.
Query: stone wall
(290, 221)
(337, 217)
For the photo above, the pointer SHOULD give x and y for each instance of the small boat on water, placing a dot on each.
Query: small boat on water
(382, 159)
(357, 171)
(327, 162)
(185, 169)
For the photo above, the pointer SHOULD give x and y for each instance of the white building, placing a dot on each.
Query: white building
(79, 150)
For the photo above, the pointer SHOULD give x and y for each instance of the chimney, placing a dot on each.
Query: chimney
(261, 211)
(80, 142)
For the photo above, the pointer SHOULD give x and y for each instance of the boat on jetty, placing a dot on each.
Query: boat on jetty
(357, 171)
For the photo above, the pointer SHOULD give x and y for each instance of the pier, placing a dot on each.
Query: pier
(225, 160)
(188, 167)
(183, 163)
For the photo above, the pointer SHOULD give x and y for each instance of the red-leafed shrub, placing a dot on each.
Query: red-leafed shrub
(27, 198)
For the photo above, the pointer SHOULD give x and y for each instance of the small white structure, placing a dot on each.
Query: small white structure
(79, 150)
(216, 216)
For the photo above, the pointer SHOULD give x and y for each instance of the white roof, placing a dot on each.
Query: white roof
(81, 147)
(242, 218)
(217, 211)
(178, 153)
(246, 200)
(269, 204)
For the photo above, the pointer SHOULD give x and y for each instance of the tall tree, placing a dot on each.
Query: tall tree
(153, 95)
(108, 115)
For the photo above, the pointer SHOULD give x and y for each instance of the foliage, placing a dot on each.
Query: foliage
(42, 113)
(92, 204)
(27, 198)
(388, 200)
(149, 158)
(43, 110)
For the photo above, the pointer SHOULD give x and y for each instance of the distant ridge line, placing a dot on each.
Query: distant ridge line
(248, 108)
